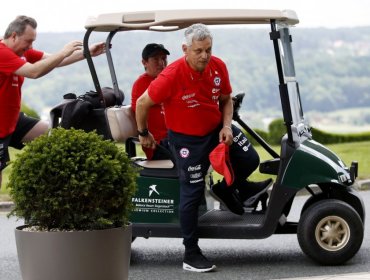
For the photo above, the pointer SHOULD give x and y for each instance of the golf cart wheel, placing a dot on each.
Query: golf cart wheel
(330, 232)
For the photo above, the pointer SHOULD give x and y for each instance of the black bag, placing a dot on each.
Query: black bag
(86, 111)
(75, 112)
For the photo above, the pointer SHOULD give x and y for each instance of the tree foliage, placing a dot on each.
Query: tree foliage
(332, 66)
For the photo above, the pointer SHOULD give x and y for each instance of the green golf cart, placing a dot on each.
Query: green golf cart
(330, 228)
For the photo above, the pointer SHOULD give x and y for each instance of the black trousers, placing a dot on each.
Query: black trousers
(191, 154)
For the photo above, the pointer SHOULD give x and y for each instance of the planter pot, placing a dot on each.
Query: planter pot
(78, 255)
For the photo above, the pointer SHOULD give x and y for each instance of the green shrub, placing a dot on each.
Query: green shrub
(72, 180)
(334, 138)
(276, 130)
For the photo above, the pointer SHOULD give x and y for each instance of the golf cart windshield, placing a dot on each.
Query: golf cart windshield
(293, 114)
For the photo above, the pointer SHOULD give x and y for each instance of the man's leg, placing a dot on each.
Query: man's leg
(245, 161)
(40, 128)
(4, 154)
(244, 158)
(192, 163)
(27, 129)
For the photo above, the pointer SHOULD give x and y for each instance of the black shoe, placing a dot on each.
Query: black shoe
(228, 197)
(251, 193)
(195, 261)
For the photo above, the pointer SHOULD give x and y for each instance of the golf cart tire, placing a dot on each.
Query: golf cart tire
(330, 232)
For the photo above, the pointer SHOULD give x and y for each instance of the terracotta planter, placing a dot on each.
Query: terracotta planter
(79, 255)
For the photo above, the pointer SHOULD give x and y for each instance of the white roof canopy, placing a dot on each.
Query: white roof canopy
(166, 20)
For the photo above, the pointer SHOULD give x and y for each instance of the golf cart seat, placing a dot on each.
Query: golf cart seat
(123, 128)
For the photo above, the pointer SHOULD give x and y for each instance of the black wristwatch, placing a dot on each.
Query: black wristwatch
(143, 133)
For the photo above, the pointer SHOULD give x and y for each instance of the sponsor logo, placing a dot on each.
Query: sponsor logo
(236, 138)
(242, 141)
(217, 81)
(153, 205)
(187, 96)
(195, 168)
(196, 175)
(152, 189)
(184, 152)
(196, 181)
(15, 81)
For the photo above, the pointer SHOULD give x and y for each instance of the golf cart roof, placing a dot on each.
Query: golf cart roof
(169, 20)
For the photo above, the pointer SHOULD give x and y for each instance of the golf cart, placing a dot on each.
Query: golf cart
(331, 225)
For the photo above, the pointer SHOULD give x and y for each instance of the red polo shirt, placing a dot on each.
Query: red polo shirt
(190, 98)
(10, 86)
(156, 122)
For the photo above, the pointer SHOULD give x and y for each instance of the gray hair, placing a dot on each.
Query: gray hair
(197, 32)
(19, 25)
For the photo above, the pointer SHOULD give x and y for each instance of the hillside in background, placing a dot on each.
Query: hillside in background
(332, 68)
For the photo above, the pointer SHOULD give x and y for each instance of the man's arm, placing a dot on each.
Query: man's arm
(95, 50)
(44, 66)
(226, 107)
(143, 104)
(71, 53)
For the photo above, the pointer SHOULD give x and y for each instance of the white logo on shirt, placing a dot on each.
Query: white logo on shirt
(15, 81)
(217, 81)
(184, 152)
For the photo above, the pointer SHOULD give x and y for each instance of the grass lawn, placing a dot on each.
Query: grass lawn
(348, 152)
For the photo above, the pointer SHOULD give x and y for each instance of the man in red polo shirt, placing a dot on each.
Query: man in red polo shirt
(18, 60)
(195, 91)
(154, 60)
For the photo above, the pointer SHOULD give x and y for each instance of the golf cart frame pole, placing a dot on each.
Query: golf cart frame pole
(287, 114)
(90, 63)
(112, 71)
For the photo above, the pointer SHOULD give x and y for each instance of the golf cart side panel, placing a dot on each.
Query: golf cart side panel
(310, 164)
(156, 201)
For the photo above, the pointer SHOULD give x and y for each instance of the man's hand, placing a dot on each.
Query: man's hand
(148, 141)
(97, 49)
(71, 47)
(226, 135)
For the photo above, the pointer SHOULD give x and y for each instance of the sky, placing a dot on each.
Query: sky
(70, 15)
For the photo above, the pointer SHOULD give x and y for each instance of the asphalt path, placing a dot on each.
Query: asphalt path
(276, 257)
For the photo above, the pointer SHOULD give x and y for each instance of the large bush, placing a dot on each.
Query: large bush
(277, 129)
(334, 138)
(72, 180)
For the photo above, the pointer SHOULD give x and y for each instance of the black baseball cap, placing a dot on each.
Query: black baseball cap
(151, 49)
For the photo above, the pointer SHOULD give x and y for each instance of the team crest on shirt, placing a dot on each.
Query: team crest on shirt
(217, 81)
(184, 152)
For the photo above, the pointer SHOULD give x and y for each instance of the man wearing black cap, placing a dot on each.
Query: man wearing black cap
(154, 60)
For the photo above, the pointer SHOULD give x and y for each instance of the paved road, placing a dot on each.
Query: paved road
(276, 257)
